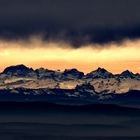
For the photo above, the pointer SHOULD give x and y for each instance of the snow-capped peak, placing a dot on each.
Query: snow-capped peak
(19, 71)
(127, 74)
(73, 74)
(100, 73)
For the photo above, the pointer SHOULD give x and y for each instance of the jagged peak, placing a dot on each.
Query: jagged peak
(71, 70)
(44, 70)
(100, 73)
(127, 72)
(16, 67)
(99, 69)
(19, 71)
(73, 73)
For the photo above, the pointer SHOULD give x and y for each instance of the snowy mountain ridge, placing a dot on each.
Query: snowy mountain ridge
(101, 80)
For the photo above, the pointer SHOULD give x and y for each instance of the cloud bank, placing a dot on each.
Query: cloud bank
(78, 22)
(84, 34)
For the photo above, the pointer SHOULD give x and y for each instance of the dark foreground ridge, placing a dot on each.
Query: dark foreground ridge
(92, 108)
(67, 97)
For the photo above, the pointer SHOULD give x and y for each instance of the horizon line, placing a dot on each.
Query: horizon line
(67, 69)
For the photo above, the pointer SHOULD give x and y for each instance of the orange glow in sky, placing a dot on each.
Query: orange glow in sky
(58, 55)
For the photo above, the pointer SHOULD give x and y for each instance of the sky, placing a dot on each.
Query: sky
(82, 34)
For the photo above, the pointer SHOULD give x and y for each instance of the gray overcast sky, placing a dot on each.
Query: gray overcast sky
(100, 20)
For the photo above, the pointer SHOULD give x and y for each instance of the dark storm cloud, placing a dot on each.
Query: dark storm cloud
(77, 21)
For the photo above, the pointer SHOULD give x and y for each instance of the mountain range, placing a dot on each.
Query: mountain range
(20, 83)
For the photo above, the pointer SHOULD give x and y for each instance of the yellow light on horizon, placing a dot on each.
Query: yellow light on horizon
(54, 55)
